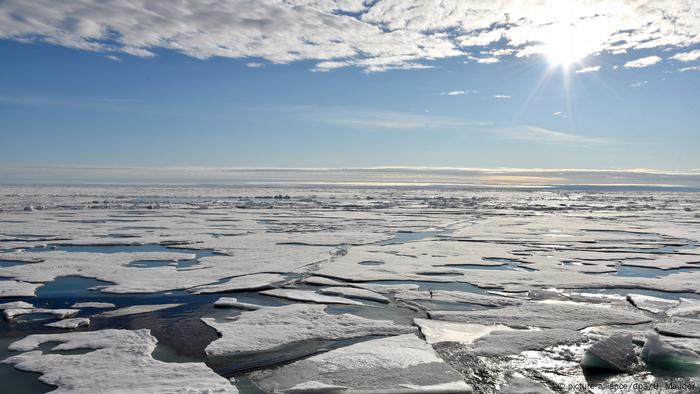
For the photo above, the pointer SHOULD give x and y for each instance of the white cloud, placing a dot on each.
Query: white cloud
(533, 133)
(487, 60)
(687, 56)
(373, 35)
(501, 96)
(373, 119)
(254, 65)
(643, 62)
(588, 69)
(112, 57)
(456, 93)
(639, 84)
(692, 68)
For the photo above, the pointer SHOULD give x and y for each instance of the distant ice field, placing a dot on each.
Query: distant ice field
(267, 289)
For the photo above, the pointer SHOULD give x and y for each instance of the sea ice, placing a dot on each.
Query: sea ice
(15, 288)
(615, 353)
(676, 354)
(57, 313)
(16, 305)
(686, 307)
(240, 283)
(136, 309)
(120, 363)
(510, 342)
(651, 304)
(436, 331)
(232, 302)
(71, 323)
(308, 296)
(321, 281)
(96, 305)
(400, 364)
(271, 328)
(679, 327)
(352, 292)
(568, 315)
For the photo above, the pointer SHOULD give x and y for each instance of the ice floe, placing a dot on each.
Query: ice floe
(567, 315)
(651, 304)
(57, 313)
(121, 362)
(679, 327)
(232, 302)
(70, 323)
(271, 328)
(96, 305)
(686, 307)
(615, 353)
(240, 283)
(436, 331)
(400, 364)
(308, 296)
(15, 288)
(351, 292)
(136, 309)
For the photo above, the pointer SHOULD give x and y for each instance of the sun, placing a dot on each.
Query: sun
(565, 44)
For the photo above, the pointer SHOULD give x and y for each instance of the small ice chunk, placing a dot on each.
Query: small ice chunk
(444, 331)
(71, 323)
(309, 296)
(686, 307)
(96, 305)
(136, 309)
(472, 298)
(352, 292)
(240, 283)
(651, 304)
(15, 288)
(16, 305)
(57, 313)
(615, 353)
(322, 281)
(384, 289)
(677, 354)
(680, 327)
(511, 342)
(232, 302)
(314, 387)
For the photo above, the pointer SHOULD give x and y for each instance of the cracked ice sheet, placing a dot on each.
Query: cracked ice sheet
(14, 288)
(494, 340)
(121, 362)
(112, 267)
(271, 328)
(417, 266)
(403, 363)
(238, 283)
(457, 297)
(548, 314)
(352, 292)
(309, 296)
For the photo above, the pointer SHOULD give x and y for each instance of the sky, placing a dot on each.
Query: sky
(346, 83)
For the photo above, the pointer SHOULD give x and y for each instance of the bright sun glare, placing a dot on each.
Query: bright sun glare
(564, 45)
(572, 35)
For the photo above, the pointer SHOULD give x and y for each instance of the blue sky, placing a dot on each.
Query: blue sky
(64, 104)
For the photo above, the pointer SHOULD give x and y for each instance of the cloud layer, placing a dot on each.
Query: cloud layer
(373, 35)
